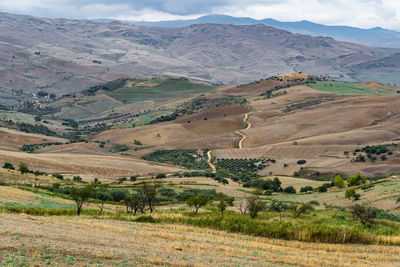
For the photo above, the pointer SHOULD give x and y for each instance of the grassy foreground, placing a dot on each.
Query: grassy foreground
(318, 226)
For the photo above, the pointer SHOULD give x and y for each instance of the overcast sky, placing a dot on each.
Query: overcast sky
(358, 13)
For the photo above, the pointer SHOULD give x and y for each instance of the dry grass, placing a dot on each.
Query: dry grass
(174, 245)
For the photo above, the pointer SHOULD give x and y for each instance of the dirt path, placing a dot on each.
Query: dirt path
(212, 166)
(244, 137)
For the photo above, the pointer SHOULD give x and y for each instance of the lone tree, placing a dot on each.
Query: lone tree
(102, 195)
(255, 206)
(338, 181)
(223, 202)
(149, 190)
(349, 193)
(135, 202)
(80, 195)
(278, 206)
(197, 202)
(302, 209)
(364, 214)
(23, 168)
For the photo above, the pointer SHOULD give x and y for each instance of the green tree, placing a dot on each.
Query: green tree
(255, 205)
(364, 214)
(197, 202)
(290, 190)
(338, 181)
(136, 202)
(356, 180)
(149, 190)
(80, 195)
(223, 202)
(349, 193)
(102, 195)
(302, 209)
(278, 206)
(23, 168)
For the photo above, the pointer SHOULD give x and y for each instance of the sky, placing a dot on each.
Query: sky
(357, 13)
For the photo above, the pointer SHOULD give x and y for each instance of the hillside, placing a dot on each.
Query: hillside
(61, 56)
(377, 36)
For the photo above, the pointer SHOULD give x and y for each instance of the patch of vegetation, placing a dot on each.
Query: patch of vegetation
(313, 175)
(316, 226)
(163, 90)
(30, 148)
(373, 153)
(241, 169)
(188, 158)
(109, 86)
(32, 128)
(119, 148)
(343, 88)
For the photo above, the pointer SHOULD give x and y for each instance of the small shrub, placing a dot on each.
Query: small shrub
(146, 219)
(8, 165)
(301, 162)
(58, 176)
(305, 189)
(161, 176)
(290, 190)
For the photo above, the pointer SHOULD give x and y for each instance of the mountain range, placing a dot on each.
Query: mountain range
(377, 36)
(61, 55)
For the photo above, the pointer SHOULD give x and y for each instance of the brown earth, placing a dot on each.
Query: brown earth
(12, 139)
(88, 166)
(209, 129)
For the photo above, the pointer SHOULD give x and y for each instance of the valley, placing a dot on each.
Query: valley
(166, 151)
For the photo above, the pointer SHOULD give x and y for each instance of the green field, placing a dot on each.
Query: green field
(165, 90)
(343, 88)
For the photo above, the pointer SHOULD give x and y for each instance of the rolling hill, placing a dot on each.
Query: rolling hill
(61, 56)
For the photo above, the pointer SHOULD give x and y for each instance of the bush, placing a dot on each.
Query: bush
(122, 179)
(146, 219)
(119, 148)
(167, 192)
(161, 176)
(301, 162)
(77, 179)
(118, 195)
(364, 214)
(58, 176)
(305, 189)
(8, 165)
(324, 187)
(366, 187)
(349, 193)
(290, 190)
(356, 180)
(133, 178)
(338, 181)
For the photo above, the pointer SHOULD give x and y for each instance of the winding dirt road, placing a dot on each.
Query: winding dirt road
(240, 145)
(244, 137)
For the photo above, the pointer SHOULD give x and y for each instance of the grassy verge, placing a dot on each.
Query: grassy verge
(324, 227)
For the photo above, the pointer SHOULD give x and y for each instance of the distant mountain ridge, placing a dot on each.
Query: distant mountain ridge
(61, 55)
(377, 37)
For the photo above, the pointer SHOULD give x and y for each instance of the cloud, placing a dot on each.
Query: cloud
(359, 13)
